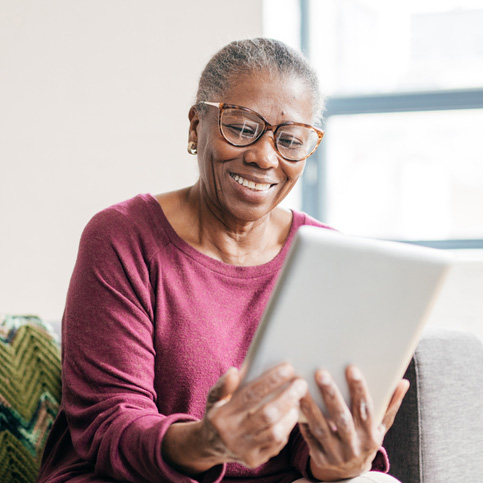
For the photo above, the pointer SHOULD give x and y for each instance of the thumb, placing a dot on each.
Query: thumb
(224, 388)
(395, 403)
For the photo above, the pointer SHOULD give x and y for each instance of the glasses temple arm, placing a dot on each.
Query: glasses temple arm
(214, 104)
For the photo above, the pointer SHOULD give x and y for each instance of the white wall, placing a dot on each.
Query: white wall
(94, 97)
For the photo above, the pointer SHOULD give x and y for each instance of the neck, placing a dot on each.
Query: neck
(230, 240)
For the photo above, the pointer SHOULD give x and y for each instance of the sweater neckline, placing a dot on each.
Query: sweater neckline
(213, 264)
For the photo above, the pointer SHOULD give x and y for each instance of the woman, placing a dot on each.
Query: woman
(167, 293)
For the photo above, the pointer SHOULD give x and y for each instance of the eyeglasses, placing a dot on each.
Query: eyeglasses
(240, 126)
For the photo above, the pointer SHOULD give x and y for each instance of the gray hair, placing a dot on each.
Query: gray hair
(256, 55)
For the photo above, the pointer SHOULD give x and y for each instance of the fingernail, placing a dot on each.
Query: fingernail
(293, 416)
(285, 371)
(299, 388)
(332, 426)
(355, 374)
(231, 370)
(278, 432)
(323, 377)
(271, 413)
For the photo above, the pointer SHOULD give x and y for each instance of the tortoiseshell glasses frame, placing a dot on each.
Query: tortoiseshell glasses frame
(241, 127)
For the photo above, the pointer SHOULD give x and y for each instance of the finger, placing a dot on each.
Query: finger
(394, 405)
(224, 388)
(316, 423)
(229, 419)
(256, 447)
(361, 402)
(269, 442)
(276, 408)
(232, 381)
(254, 392)
(260, 454)
(316, 448)
(338, 411)
(278, 433)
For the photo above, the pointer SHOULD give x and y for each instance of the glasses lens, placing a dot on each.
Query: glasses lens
(296, 142)
(239, 127)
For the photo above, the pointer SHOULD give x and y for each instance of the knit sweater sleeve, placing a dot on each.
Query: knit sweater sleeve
(109, 357)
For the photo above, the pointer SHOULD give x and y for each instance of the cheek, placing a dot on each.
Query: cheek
(215, 154)
(221, 151)
(294, 171)
(212, 156)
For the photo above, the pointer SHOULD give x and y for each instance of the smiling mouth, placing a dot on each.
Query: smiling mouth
(250, 184)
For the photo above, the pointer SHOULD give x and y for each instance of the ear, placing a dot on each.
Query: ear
(194, 118)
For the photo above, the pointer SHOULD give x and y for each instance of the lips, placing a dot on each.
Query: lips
(250, 184)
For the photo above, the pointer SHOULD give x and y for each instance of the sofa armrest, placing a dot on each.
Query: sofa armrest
(438, 433)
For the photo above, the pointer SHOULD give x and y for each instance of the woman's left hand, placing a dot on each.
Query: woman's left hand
(344, 444)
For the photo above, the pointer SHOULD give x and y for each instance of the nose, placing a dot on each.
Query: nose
(263, 152)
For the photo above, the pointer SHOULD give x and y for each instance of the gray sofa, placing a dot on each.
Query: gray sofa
(437, 436)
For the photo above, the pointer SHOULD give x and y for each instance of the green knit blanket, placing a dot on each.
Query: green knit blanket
(30, 389)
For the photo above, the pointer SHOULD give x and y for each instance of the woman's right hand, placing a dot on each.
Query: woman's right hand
(250, 425)
(247, 425)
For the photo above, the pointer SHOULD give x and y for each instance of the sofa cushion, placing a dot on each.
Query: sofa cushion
(438, 432)
(30, 389)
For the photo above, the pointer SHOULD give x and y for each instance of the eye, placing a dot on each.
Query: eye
(289, 141)
(247, 130)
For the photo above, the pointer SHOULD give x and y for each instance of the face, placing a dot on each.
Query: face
(244, 184)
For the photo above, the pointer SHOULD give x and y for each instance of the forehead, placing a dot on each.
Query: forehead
(277, 98)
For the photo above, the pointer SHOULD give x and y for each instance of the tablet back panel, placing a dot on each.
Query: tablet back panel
(344, 300)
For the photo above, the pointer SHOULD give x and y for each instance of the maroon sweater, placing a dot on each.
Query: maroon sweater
(149, 326)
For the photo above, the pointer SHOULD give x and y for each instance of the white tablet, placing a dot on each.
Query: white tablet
(344, 300)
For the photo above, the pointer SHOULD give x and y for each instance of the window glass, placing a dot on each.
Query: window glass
(416, 175)
(367, 46)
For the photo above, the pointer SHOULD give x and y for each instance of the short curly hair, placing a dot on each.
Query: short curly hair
(256, 55)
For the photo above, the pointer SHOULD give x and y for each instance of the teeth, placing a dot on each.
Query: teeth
(250, 184)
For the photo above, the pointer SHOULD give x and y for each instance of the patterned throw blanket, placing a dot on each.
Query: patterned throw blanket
(30, 389)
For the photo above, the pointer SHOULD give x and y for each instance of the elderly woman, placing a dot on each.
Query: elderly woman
(167, 293)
